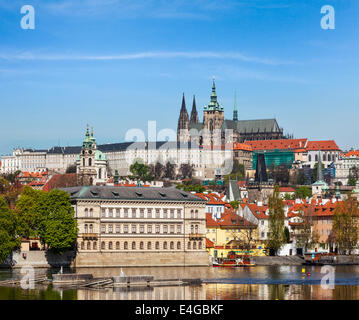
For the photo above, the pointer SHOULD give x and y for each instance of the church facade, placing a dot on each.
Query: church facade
(212, 130)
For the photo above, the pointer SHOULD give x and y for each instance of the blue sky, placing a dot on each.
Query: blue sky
(116, 64)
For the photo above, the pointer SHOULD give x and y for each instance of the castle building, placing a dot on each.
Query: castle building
(211, 131)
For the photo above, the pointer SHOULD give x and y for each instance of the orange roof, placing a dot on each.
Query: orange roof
(282, 144)
(322, 145)
(209, 243)
(353, 153)
(211, 198)
(242, 146)
(228, 219)
(257, 211)
(286, 189)
(61, 181)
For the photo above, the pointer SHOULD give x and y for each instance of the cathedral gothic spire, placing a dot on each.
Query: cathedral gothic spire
(194, 114)
(235, 112)
(183, 118)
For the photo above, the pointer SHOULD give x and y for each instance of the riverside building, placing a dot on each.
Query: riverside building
(139, 226)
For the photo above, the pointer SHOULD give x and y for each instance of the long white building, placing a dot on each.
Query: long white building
(120, 156)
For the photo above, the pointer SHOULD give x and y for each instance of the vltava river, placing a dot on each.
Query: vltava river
(253, 283)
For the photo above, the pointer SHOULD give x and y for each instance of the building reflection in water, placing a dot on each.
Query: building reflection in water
(144, 293)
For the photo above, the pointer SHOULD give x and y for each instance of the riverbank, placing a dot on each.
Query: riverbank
(277, 261)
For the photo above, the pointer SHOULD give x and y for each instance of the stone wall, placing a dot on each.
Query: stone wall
(39, 259)
(140, 259)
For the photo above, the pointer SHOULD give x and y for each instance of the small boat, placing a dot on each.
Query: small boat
(234, 260)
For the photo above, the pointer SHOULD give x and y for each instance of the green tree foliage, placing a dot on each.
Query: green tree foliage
(5, 185)
(140, 172)
(315, 170)
(238, 169)
(287, 196)
(234, 204)
(57, 226)
(303, 192)
(345, 224)
(157, 170)
(287, 235)
(351, 180)
(186, 171)
(26, 211)
(9, 240)
(276, 221)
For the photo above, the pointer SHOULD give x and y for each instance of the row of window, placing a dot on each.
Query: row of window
(324, 157)
(118, 228)
(132, 212)
(92, 245)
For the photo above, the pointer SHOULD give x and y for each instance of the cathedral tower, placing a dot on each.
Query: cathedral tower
(183, 122)
(194, 114)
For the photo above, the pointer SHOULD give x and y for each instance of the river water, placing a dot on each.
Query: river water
(253, 283)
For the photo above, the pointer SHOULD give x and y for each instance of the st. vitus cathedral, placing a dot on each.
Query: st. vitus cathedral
(214, 125)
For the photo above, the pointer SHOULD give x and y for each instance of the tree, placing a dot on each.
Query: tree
(238, 169)
(351, 180)
(26, 211)
(71, 168)
(287, 196)
(287, 235)
(169, 171)
(5, 186)
(315, 170)
(345, 224)
(186, 171)
(303, 192)
(234, 204)
(354, 172)
(9, 240)
(140, 172)
(57, 226)
(303, 233)
(157, 170)
(276, 221)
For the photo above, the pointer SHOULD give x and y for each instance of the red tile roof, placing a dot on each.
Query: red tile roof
(209, 243)
(281, 144)
(242, 146)
(61, 181)
(324, 145)
(286, 189)
(211, 198)
(258, 211)
(353, 153)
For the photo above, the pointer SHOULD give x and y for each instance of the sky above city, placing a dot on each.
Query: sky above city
(117, 64)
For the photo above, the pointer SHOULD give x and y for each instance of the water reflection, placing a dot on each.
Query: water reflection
(257, 283)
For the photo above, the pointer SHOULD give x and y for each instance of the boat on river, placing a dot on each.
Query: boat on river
(234, 260)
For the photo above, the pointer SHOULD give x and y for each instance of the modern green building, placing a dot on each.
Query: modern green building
(276, 156)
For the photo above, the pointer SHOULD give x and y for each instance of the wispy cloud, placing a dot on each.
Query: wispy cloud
(145, 55)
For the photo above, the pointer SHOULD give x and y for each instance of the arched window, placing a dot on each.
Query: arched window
(103, 245)
(86, 212)
(309, 158)
(172, 245)
(316, 158)
(83, 161)
(125, 245)
(189, 245)
(157, 245)
(110, 245)
(88, 245)
(82, 245)
(91, 212)
(90, 162)
(141, 245)
(194, 245)
(133, 245)
(329, 157)
(117, 245)
(324, 157)
(199, 244)
(179, 245)
(196, 214)
(192, 214)
(192, 228)
(165, 245)
(196, 228)
(86, 228)
(149, 245)
(95, 245)
(99, 173)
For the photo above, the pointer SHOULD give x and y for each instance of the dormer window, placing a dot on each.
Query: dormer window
(162, 194)
(139, 194)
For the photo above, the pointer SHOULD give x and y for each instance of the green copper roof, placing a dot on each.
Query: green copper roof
(100, 155)
(213, 105)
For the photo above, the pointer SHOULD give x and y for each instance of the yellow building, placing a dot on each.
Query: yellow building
(231, 233)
